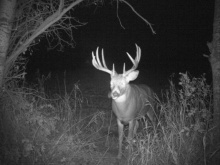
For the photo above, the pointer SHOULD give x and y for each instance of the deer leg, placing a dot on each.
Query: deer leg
(120, 132)
(132, 128)
(136, 127)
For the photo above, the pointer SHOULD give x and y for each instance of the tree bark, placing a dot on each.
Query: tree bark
(214, 59)
(7, 10)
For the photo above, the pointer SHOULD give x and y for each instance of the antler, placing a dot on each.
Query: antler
(101, 66)
(134, 61)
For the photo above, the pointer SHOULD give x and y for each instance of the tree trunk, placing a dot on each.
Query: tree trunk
(7, 9)
(214, 48)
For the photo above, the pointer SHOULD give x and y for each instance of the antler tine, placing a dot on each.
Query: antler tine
(138, 52)
(103, 59)
(97, 63)
(95, 60)
(134, 61)
(97, 57)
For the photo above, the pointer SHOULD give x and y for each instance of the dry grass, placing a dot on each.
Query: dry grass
(183, 127)
(76, 125)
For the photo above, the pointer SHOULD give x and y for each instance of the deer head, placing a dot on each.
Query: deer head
(119, 82)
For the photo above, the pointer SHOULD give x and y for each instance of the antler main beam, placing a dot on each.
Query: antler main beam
(97, 63)
(134, 61)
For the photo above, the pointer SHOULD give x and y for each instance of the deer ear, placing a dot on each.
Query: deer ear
(132, 76)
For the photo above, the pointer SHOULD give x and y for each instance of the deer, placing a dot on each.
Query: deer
(130, 102)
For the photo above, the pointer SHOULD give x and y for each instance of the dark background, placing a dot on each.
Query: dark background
(183, 29)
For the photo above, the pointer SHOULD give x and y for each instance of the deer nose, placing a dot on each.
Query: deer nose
(115, 94)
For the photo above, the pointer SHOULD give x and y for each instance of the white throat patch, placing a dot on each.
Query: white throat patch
(121, 98)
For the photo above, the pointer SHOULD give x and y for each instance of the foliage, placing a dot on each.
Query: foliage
(195, 98)
(42, 130)
(183, 126)
(33, 132)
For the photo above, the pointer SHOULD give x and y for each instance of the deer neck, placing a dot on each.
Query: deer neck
(123, 98)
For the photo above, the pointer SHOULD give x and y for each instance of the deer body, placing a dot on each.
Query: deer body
(136, 97)
(138, 101)
(129, 102)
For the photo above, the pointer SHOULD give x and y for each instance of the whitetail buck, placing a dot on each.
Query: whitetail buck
(129, 102)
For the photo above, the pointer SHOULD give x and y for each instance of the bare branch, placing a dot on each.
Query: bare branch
(132, 8)
(119, 17)
(49, 19)
(36, 19)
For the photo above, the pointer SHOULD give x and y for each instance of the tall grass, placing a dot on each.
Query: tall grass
(38, 129)
(183, 126)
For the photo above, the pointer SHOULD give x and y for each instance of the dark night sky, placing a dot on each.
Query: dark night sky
(183, 28)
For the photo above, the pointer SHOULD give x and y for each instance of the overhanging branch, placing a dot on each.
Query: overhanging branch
(139, 15)
(48, 22)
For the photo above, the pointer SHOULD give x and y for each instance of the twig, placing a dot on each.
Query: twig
(132, 8)
(119, 17)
